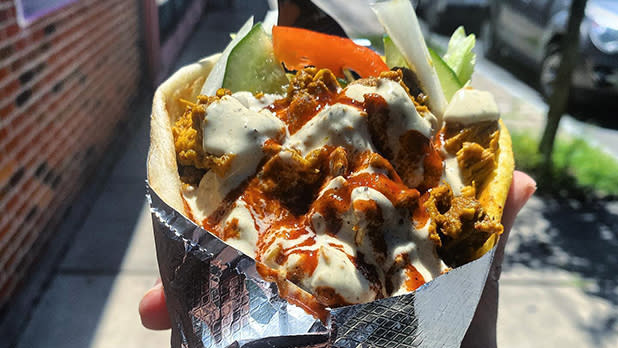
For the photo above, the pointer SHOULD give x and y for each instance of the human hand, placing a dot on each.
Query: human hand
(153, 309)
(482, 331)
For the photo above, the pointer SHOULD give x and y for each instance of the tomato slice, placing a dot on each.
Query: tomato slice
(298, 48)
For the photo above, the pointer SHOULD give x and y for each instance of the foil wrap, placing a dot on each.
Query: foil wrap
(216, 298)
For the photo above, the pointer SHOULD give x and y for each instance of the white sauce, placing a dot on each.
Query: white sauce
(248, 100)
(333, 270)
(247, 234)
(336, 271)
(403, 115)
(231, 129)
(402, 236)
(452, 175)
(469, 106)
(205, 199)
(336, 125)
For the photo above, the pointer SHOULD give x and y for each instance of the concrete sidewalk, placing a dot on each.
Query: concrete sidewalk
(92, 300)
(558, 286)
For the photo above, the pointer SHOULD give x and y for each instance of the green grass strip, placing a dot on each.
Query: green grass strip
(578, 166)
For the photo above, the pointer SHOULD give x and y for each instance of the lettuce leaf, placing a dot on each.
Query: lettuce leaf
(460, 55)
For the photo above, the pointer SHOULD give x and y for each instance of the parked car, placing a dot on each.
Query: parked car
(532, 30)
(444, 16)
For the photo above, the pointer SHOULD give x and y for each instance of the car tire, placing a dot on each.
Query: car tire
(491, 45)
(549, 69)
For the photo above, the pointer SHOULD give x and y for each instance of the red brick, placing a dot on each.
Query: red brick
(17, 122)
(4, 230)
(5, 15)
(10, 255)
(12, 145)
(12, 204)
(4, 133)
(12, 30)
(30, 57)
(12, 12)
(17, 64)
(85, 32)
(27, 187)
(5, 111)
(6, 288)
(6, 171)
(10, 89)
(23, 153)
(21, 44)
(37, 36)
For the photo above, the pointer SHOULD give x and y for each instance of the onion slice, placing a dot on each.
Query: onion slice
(399, 20)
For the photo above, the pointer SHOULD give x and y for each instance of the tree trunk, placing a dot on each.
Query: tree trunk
(569, 48)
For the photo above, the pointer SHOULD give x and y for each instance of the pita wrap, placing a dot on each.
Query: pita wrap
(163, 174)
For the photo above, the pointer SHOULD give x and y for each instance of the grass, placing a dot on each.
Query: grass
(580, 169)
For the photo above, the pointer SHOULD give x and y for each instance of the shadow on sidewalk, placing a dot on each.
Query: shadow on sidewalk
(577, 237)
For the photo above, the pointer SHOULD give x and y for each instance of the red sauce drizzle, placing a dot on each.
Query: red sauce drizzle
(421, 215)
(185, 205)
(297, 111)
(414, 278)
(433, 166)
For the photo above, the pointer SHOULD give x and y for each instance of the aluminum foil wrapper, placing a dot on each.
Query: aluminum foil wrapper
(216, 298)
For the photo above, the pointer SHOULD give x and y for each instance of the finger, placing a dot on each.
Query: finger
(153, 309)
(521, 190)
(482, 330)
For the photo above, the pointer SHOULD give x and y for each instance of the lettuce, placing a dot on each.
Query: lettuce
(460, 56)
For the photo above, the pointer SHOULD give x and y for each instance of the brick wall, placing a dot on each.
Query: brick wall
(65, 83)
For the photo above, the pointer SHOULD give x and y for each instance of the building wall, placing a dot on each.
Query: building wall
(66, 81)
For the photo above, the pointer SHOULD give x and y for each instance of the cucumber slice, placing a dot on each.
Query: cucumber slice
(214, 81)
(252, 66)
(448, 79)
(393, 56)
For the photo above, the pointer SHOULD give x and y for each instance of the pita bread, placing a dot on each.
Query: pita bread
(185, 83)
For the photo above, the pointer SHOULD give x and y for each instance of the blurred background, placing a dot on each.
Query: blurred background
(76, 83)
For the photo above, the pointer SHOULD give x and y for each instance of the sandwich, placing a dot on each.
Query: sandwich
(348, 176)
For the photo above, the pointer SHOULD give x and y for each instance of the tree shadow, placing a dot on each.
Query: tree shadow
(576, 236)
